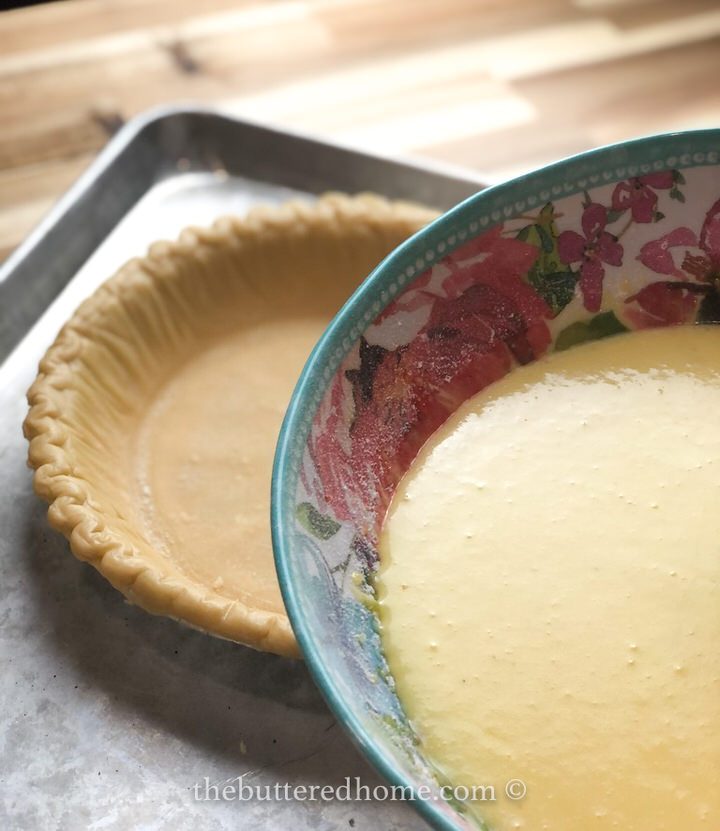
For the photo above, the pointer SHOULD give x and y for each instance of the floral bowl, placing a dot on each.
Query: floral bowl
(620, 238)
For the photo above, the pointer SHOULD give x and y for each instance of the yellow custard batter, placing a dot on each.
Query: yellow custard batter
(550, 588)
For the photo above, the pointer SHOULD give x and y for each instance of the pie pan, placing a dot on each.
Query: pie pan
(154, 414)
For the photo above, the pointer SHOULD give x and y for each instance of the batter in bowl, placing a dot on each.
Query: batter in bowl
(550, 588)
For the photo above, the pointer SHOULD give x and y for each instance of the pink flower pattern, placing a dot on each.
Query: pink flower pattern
(481, 315)
(693, 261)
(638, 194)
(596, 247)
(660, 255)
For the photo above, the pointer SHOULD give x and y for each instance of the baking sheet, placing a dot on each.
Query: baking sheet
(112, 718)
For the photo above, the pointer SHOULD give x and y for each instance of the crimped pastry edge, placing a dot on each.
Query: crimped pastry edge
(94, 537)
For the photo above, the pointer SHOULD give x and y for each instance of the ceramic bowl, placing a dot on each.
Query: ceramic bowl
(620, 238)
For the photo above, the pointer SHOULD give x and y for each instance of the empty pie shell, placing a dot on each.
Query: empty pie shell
(154, 416)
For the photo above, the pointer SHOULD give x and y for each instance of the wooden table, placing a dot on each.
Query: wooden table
(500, 85)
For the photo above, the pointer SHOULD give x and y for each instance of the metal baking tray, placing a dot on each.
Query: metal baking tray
(114, 719)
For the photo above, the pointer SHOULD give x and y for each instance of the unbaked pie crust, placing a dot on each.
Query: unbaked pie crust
(154, 416)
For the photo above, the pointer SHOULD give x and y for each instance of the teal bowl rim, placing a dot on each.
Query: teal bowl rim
(606, 165)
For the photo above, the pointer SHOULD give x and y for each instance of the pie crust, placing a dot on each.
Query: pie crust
(141, 425)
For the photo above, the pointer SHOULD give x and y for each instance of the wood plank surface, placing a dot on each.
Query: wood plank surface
(497, 85)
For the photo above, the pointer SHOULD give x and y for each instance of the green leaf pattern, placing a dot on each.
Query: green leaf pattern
(320, 526)
(549, 276)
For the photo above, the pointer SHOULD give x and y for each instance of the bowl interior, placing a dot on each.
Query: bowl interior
(617, 239)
